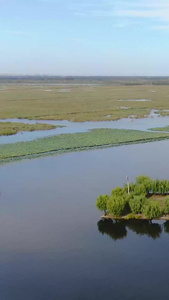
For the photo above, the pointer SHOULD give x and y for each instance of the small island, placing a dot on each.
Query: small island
(144, 199)
(10, 128)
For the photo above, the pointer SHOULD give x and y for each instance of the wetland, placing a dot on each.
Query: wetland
(54, 243)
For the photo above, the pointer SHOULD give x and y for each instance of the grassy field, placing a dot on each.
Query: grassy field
(8, 128)
(79, 141)
(81, 103)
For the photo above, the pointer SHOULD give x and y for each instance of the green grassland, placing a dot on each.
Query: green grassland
(8, 128)
(81, 103)
(78, 141)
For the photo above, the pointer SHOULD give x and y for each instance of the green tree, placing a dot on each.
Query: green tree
(101, 202)
(137, 204)
(163, 187)
(118, 191)
(167, 186)
(144, 181)
(116, 205)
(166, 205)
(152, 210)
(128, 197)
(140, 190)
(156, 186)
(131, 187)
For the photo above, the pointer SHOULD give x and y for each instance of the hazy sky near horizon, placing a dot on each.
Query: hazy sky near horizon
(75, 37)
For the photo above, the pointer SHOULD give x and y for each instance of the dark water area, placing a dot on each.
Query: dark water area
(53, 243)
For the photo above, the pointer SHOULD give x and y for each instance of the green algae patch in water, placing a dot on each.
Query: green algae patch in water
(80, 141)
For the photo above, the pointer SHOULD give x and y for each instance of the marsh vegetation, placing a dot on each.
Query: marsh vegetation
(78, 141)
(85, 102)
(9, 128)
(166, 129)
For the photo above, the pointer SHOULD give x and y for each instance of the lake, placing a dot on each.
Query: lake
(53, 244)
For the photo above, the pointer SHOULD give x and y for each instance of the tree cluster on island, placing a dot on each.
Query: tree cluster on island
(137, 201)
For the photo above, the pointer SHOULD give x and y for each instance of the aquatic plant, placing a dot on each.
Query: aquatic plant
(78, 141)
(9, 128)
(166, 129)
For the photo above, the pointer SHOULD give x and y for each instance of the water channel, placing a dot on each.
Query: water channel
(154, 120)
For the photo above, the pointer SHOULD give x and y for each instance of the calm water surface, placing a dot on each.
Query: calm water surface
(53, 244)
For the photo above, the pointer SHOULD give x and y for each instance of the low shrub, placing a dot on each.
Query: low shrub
(131, 187)
(166, 205)
(101, 202)
(137, 204)
(144, 181)
(152, 210)
(116, 205)
(128, 197)
(132, 216)
(140, 190)
(118, 191)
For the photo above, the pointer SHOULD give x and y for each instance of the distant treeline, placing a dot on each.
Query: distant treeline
(102, 80)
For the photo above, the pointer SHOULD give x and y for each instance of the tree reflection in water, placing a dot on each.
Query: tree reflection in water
(118, 229)
(145, 227)
(166, 226)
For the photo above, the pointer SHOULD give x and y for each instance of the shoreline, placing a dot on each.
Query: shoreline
(137, 217)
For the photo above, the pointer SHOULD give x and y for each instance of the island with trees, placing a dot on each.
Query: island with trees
(144, 199)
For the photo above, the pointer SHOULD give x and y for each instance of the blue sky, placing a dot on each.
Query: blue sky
(75, 37)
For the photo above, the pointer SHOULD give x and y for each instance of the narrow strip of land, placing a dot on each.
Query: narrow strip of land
(78, 141)
(166, 129)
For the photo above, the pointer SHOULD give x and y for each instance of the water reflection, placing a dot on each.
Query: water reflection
(118, 229)
(166, 226)
(145, 227)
